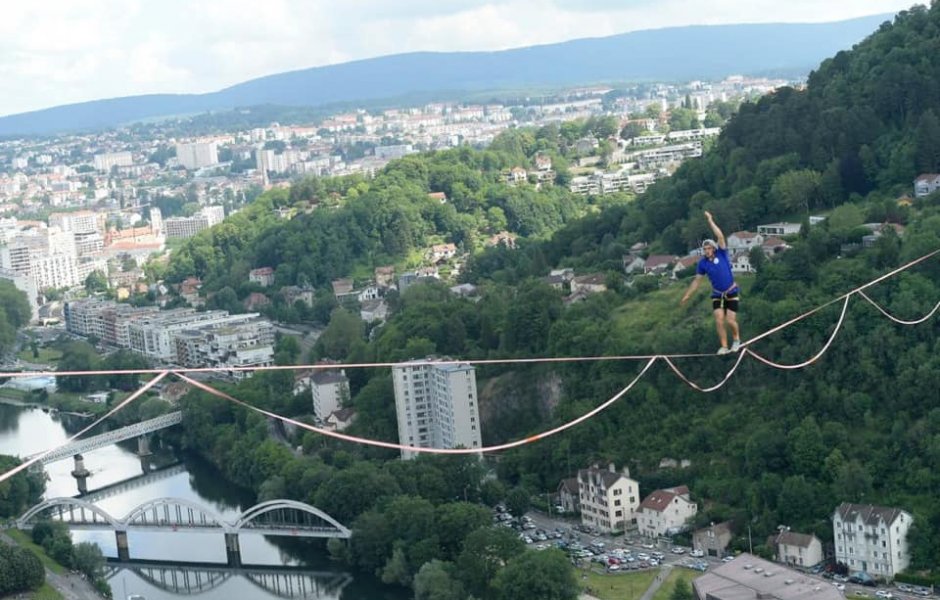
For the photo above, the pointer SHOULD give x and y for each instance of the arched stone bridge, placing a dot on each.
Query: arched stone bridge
(274, 517)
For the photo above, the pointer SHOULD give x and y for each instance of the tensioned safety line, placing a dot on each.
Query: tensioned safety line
(696, 386)
(814, 358)
(651, 359)
(391, 445)
(860, 288)
(895, 319)
(124, 403)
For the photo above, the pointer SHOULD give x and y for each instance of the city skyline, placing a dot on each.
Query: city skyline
(63, 52)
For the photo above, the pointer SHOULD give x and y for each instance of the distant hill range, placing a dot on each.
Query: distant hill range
(671, 54)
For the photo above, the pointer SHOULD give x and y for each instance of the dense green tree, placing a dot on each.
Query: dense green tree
(547, 575)
(485, 552)
(20, 570)
(435, 582)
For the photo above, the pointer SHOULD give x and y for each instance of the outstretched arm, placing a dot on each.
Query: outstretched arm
(691, 290)
(719, 236)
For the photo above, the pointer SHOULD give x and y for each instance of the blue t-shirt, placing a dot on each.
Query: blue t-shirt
(718, 270)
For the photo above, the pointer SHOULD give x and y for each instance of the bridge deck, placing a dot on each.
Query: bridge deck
(113, 437)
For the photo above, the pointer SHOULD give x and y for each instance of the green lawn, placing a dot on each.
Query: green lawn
(12, 393)
(665, 591)
(23, 539)
(617, 585)
(47, 356)
(46, 592)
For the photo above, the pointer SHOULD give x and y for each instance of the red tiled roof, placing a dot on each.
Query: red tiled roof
(661, 499)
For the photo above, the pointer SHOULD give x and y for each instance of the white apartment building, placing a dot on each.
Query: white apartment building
(436, 405)
(871, 538)
(197, 155)
(82, 221)
(104, 162)
(329, 388)
(609, 498)
(47, 256)
(186, 227)
(665, 512)
(235, 342)
(154, 336)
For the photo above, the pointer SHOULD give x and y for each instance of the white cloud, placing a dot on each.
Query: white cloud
(60, 51)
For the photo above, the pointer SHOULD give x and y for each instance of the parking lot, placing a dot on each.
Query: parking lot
(622, 553)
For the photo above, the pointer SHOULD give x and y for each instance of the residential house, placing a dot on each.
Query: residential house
(302, 381)
(665, 512)
(779, 229)
(373, 310)
(774, 245)
(441, 252)
(713, 540)
(439, 196)
(905, 201)
(555, 281)
(543, 162)
(741, 262)
(518, 175)
(926, 184)
(342, 288)
(340, 419)
(633, 263)
(263, 276)
(750, 577)
(686, 262)
(658, 264)
(744, 240)
(871, 538)
(594, 283)
(608, 498)
(370, 292)
(797, 549)
(189, 291)
(568, 497)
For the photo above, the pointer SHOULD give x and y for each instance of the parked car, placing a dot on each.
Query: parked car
(727, 559)
(697, 553)
(884, 594)
(678, 550)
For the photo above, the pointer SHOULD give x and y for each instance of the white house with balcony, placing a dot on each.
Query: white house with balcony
(665, 512)
(872, 539)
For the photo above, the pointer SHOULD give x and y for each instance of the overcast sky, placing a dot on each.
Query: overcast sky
(59, 51)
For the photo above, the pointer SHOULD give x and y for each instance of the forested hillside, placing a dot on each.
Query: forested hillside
(771, 447)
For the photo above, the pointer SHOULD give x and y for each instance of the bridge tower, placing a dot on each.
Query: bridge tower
(80, 473)
(233, 552)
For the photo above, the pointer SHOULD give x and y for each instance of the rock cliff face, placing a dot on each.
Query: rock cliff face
(515, 402)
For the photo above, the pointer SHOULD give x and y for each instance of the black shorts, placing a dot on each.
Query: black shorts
(727, 302)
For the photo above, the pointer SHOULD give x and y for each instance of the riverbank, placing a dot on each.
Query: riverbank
(60, 583)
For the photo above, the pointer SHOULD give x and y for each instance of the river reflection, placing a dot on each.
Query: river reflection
(308, 572)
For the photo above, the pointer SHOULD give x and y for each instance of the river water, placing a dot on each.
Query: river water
(28, 430)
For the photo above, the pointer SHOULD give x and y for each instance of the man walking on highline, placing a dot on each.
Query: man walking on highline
(725, 292)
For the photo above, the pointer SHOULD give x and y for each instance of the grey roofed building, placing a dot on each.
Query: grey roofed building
(328, 376)
(871, 515)
(748, 577)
